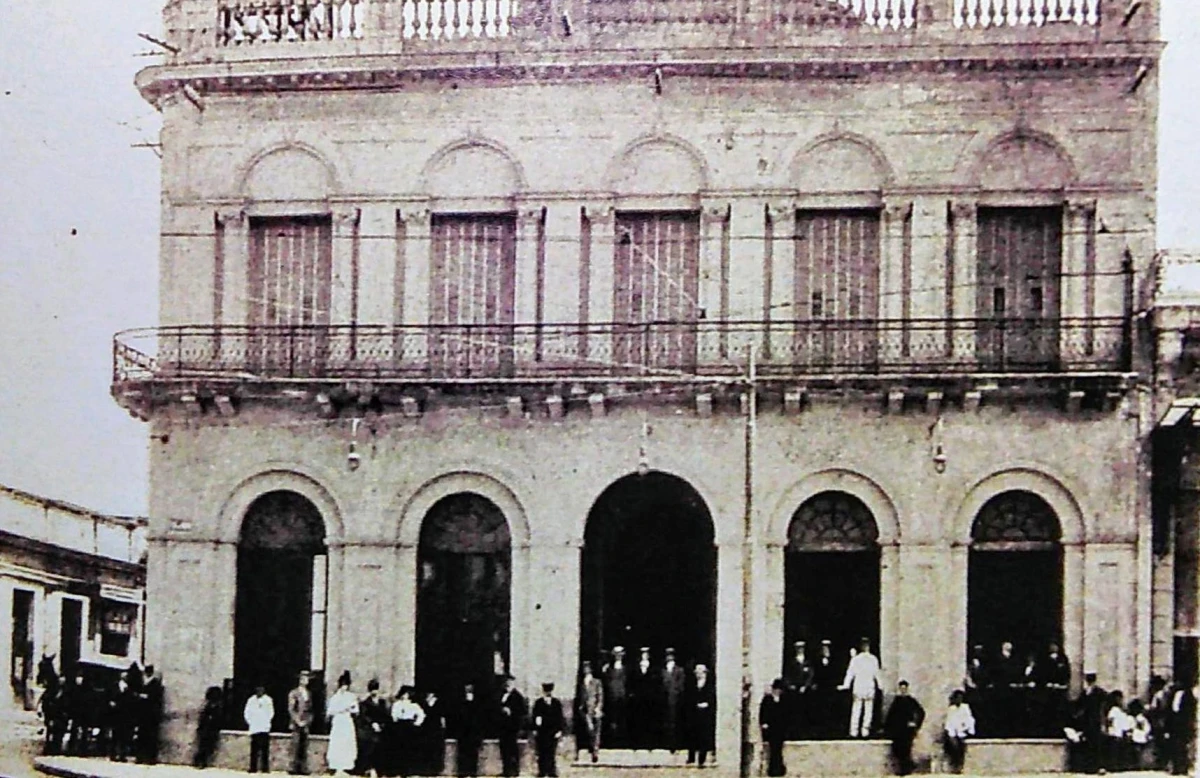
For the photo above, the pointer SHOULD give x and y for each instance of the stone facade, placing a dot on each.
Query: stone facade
(568, 117)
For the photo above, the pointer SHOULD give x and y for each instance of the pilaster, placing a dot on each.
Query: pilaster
(782, 302)
(602, 217)
(418, 261)
(964, 258)
(235, 286)
(526, 301)
(343, 302)
(747, 228)
(714, 224)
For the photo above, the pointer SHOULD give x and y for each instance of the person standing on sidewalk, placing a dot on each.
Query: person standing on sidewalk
(512, 711)
(300, 717)
(547, 731)
(591, 711)
(772, 720)
(259, 711)
(904, 720)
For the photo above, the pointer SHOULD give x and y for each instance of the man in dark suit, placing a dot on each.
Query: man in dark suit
(701, 710)
(1007, 684)
(904, 720)
(674, 684)
(772, 720)
(616, 698)
(1090, 713)
(511, 718)
(1181, 723)
(643, 692)
(150, 712)
(1055, 680)
(468, 731)
(547, 731)
(824, 723)
(799, 677)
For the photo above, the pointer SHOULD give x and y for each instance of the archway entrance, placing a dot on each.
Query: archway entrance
(831, 603)
(649, 581)
(464, 595)
(279, 626)
(1015, 595)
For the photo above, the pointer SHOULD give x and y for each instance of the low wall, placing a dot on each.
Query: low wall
(873, 757)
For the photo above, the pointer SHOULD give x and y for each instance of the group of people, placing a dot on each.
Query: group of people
(642, 705)
(120, 720)
(1003, 698)
(402, 736)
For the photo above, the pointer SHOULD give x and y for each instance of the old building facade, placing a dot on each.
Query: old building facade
(494, 335)
(72, 588)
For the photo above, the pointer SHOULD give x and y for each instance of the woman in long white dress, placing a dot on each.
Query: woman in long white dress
(343, 743)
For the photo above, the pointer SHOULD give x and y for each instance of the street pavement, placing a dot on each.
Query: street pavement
(76, 767)
(20, 742)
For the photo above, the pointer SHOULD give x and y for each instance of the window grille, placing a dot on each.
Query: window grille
(833, 521)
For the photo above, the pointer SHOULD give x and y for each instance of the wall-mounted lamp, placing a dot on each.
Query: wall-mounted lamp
(353, 458)
(939, 459)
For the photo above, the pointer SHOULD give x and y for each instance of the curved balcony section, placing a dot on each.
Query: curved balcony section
(658, 351)
(228, 31)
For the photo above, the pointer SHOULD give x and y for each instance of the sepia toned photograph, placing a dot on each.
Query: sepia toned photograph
(599, 388)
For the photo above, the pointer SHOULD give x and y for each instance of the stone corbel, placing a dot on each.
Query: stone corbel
(232, 217)
(964, 211)
(602, 213)
(529, 218)
(714, 213)
(1170, 351)
(781, 211)
(345, 219)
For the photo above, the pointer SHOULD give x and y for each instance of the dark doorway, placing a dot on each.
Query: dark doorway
(22, 641)
(464, 595)
(281, 565)
(649, 572)
(1015, 595)
(831, 601)
(71, 636)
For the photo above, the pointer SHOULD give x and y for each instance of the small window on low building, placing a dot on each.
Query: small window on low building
(117, 623)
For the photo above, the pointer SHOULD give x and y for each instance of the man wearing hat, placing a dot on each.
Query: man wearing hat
(512, 718)
(616, 697)
(547, 731)
(904, 719)
(1091, 720)
(701, 713)
(822, 723)
(674, 684)
(772, 720)
(799, 677)
(591, 710)
(642, 693)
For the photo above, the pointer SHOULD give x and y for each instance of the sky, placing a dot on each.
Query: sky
(79, 215)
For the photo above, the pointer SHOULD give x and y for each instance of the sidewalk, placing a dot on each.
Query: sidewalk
(79, 767)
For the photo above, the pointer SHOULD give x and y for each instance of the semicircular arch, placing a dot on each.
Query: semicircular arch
(1022, 479)
(290, 171)
(277, 479)
(1021, 159)
(434, 490)
(656, 165)
(851, 482)
(840, 162)
(473, 168)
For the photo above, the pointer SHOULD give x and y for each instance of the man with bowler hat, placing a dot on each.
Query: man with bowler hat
(772, 720)
(547, 731)
(616, 698)
(512, 717)
(590, 711)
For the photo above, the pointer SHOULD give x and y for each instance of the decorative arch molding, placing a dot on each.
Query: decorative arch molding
(279, 478)
(1022, 478)
(856, 484)
(724, 533)
(1021, 159)
(288, 171)
(840, 162)
(473, 168)
(658, 164)
(413, 511)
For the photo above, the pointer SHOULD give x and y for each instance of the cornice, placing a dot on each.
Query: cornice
(382, 72)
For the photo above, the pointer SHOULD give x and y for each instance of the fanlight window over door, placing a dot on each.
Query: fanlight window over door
(1016, 519)
(833, 521)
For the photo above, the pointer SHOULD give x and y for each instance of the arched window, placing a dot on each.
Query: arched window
(279, 626)
(1015, 596)
(832, 590)
(464, 583)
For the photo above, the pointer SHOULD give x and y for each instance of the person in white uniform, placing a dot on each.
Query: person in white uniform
(343, 742)
(862, 679)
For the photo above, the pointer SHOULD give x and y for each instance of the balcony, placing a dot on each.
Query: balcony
(146, 361)
(289, 40)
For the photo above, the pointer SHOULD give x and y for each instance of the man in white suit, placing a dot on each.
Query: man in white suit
(862, 679)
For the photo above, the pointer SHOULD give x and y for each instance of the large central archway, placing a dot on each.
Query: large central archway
(649, 578)
(464, 594)
(279, 627)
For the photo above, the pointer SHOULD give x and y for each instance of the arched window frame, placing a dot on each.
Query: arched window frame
(1016, 520)
(833, 521)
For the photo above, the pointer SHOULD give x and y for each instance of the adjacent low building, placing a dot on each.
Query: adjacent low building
(72, 587)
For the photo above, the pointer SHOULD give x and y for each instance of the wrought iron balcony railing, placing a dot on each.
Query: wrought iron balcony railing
(655, 350)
